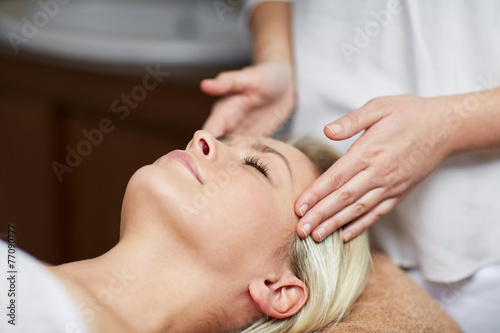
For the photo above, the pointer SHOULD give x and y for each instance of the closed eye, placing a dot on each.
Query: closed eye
(257, 164)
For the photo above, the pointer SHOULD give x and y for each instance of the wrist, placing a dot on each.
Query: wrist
(444, 133)
(471, 121)
(272, 54)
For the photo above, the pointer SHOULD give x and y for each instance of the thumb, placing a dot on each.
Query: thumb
(353, 123)
(226, 114)
(215, 125)
(227, 82)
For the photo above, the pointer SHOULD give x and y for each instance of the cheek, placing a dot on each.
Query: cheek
(246, 206)
(242, 225)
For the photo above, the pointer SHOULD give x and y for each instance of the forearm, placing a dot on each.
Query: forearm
(271, 32)
(473, 121)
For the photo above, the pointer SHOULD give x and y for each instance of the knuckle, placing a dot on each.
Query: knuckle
(377, 102)
(335, 180)
(319, 216)
(360, 208)
(353, 121)
(311, 196)
(330, 225)
(346, 197)
(389, 169)
(335, 224)
(395, 183)
(371, 151)
(383, 210)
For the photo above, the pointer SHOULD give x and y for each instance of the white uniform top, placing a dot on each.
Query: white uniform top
(41, 304)
(348, 52)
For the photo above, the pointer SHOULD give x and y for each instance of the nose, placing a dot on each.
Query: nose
(204, 144)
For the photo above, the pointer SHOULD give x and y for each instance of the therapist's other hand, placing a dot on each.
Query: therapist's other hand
(404, 140)
(256, 100)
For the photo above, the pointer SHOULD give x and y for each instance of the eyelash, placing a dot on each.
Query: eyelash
(257, 164)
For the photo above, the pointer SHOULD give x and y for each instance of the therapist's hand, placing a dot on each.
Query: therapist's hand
(405, 138)
(256, 100)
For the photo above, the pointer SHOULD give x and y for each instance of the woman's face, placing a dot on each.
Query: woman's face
(228, 201)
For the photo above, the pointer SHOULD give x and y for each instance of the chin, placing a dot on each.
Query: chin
(155, 194)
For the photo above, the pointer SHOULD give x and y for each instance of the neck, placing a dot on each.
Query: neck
(152, 294)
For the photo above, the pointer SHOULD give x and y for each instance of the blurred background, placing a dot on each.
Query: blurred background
(89, 92)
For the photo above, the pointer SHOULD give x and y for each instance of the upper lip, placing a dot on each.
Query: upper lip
(187, 160)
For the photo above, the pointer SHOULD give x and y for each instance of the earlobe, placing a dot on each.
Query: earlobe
(282, 298)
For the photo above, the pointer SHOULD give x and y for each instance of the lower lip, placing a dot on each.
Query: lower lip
(181, 157)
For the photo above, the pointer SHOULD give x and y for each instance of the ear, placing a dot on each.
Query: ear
(281, 298)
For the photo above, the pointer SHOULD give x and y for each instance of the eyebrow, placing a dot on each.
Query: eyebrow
(261, 148)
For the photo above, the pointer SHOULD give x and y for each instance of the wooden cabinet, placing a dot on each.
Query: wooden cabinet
(46, 111)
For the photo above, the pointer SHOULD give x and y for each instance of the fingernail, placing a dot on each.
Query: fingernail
(306, 229)
(347, 236)
(320, 232)
(335, 129)
(303, 209)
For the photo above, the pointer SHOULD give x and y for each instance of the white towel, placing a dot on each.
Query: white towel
(41, 304)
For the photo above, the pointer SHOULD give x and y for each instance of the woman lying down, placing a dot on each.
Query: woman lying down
(208, 244)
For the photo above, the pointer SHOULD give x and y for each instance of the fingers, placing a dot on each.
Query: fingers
(215, 125)
(354, 199)
(332, 179)
(348, 214)
(226, 114)
(230, 110)
(228, 82)
(362, 223)
(354, 122)
(354, 223)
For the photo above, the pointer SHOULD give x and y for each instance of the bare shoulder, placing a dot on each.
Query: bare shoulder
(104, 320)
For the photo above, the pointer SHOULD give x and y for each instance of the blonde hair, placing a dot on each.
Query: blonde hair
(334, 272)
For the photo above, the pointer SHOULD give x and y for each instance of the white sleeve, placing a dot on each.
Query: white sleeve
(32, 299)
